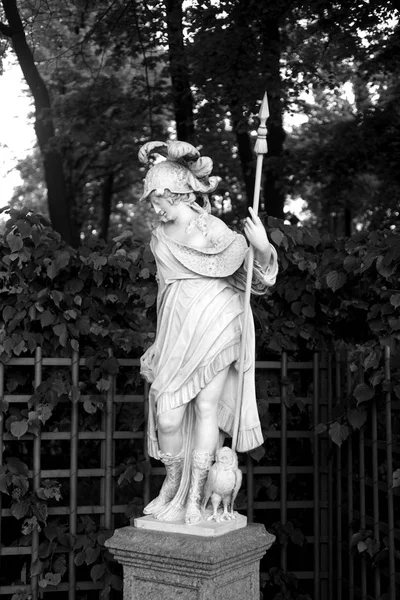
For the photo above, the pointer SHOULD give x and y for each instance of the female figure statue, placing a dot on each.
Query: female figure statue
(192, 365)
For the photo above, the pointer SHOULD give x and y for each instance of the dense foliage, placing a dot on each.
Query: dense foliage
(331, 294)
(334, 294)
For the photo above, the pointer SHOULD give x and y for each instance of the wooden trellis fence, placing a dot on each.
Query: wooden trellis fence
(315, 494)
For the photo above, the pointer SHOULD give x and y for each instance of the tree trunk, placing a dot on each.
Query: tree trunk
(182, 93)
(59, 205)
(274, 197)
(106, 198)
(246, 155)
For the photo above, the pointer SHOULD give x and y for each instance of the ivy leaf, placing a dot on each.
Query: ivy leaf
(395, 300)
(36, 567)
(50, 532)
(362, 546)
(60, 329)
(396, 478)
(308, 311)
(24, 228)
(383, 269)
(320, 428)
(363, 393)
(80, 558)
(91, 555)
(19, 428)
(89, 406)
(8, 313)
(15, 242)
(60, 565)
(99, 262)
(350, 263)
(356, 418)
(20, 509)
(103, 385)
(4, 405)
(272, 492)
(40, 511)
(258, 453)
(57, 297)
(51, 579)
(97, 571)
(16, 466)
(46, 548)
(74, 345)
(276, 236)
(338, 433)
(103, 537)
(4, 483)
(117, 583)
(110, 365)
(297, 537)
(47, 318)
(335, 280)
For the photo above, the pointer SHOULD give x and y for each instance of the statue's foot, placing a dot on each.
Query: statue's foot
(193, 515)
(228, 517)
(155, 505)
(216, 518)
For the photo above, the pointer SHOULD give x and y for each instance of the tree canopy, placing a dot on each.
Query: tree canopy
(106, 76)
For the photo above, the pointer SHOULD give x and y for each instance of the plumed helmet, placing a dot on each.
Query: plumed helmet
(183, 170)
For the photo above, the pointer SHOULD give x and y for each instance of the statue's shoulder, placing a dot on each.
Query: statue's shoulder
(217, 227)
(217, 224)
(222, 236)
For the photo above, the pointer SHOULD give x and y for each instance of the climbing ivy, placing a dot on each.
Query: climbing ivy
(99, 300)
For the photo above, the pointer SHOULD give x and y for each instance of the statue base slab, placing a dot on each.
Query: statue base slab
(203, 529)
(160, 565)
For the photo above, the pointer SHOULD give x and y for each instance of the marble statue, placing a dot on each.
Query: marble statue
(222, 485)
(192, 365)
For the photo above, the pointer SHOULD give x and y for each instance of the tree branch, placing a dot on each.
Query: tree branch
(5, 29)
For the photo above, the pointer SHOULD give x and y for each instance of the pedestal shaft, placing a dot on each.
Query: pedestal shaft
(172, 566)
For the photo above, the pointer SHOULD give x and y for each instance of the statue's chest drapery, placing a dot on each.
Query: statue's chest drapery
(178, 260)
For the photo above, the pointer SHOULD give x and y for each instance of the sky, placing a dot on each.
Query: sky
(17, 135)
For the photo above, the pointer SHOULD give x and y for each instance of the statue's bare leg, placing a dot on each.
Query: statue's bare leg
(205, 443)
(169, 430)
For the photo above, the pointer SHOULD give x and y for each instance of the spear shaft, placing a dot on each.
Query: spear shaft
(260, 149)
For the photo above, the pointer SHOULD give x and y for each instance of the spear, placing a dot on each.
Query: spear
(260, 149)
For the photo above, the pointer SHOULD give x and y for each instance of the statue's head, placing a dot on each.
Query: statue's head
(182, 171)
(226, 458)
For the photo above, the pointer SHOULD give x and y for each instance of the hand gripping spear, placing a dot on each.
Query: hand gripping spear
(260, 149)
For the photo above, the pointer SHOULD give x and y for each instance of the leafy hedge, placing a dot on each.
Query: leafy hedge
(343, 295)
(330, 294)
(337, 294)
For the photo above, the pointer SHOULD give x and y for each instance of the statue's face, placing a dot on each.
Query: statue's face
(164, 206)
(226, 457)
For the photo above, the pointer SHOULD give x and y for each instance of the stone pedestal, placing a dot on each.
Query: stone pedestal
(174, 566)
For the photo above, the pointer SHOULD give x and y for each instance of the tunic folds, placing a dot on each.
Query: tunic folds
(199, 328)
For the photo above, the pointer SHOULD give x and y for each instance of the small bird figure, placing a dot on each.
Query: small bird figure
(223, 483)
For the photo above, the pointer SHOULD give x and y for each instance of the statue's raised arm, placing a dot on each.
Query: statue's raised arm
(192, 365)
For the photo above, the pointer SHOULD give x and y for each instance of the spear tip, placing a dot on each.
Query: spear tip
(264, 108)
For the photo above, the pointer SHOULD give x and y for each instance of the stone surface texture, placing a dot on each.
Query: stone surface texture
(173, 566)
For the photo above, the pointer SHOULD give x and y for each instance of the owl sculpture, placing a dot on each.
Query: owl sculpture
(223, 483)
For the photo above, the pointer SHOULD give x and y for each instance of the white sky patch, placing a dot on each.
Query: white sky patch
(17, 134)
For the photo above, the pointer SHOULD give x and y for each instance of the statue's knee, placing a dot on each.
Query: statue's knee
(168, 423)
(205, 406)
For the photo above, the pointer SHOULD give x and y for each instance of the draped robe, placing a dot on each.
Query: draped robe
(199, 333)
